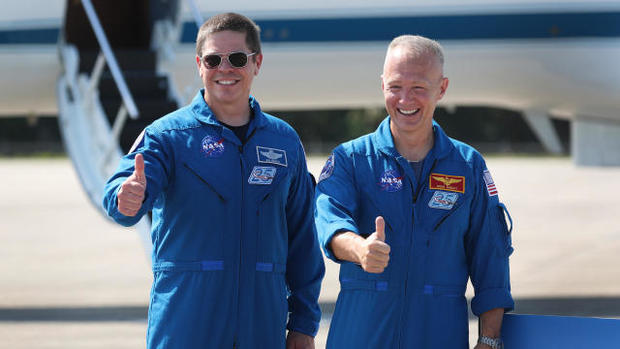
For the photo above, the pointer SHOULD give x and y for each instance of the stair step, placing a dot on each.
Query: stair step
(128, 59)
(140, 85)
(149, 109)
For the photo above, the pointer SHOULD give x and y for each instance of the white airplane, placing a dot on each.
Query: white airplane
(546, 58)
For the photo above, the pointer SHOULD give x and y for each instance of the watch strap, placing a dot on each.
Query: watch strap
(495, 343)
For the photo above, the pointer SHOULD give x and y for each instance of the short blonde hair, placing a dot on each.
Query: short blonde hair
(418, 46)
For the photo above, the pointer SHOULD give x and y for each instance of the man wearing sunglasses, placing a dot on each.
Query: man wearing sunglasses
(411, 214)
(235, 259)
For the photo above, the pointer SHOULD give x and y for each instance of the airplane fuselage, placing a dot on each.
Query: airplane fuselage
(558, 57)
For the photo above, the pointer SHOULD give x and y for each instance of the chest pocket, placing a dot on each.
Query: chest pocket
(207, 179)
(264, 181)
(444, 208)
(386, 192)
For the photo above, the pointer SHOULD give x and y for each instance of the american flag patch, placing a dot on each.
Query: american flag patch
(488, 180)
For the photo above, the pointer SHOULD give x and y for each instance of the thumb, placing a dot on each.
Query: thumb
(380, 228)
(139, 168)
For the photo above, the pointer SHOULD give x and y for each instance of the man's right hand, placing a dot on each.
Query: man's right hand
(374, 253)
(131, 194)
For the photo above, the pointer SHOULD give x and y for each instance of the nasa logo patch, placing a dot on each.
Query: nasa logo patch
(328, 169)
(212, 147)
(391, 181)
(443, 200)
(262, 175)
(271, 156)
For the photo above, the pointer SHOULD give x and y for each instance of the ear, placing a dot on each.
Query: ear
(443, 87)
(382, 83)
(198, 63)
(258, 62)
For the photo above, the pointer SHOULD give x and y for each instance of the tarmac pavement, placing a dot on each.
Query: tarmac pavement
(69, 278)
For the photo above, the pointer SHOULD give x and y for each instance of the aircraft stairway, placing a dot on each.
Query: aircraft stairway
(110, 87)
(149, 89)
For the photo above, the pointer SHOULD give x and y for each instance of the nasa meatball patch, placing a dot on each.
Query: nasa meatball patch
(212, 147)
(391, 181)
(271, 156)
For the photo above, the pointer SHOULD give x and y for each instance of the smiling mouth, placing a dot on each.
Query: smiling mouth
(226, 82)
(409, 111)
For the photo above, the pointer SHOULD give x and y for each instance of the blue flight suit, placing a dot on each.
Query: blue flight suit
(235, 256)
(442, 229)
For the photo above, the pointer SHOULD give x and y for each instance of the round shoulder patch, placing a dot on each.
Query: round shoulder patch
(328, 169)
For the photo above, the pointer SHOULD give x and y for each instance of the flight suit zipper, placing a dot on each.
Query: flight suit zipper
(239, 267)
(415, 192)
(240, 264)
(406, 281)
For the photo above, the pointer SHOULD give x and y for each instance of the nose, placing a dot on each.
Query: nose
(225, 64)
(409, 94)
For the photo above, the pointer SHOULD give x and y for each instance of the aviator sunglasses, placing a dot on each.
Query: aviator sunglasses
(236, 59)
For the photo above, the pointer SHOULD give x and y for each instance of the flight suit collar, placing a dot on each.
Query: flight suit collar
(204, 114)
(384, 141)
(442, 146)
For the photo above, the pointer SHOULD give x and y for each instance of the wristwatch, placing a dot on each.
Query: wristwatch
(495, 343)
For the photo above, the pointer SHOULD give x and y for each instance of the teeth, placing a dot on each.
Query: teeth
(226, 82)
(408, 112)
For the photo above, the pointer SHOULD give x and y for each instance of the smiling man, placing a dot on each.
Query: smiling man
(235, 259)
(411, 215)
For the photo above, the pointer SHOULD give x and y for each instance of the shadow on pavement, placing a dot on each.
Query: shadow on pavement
(562, 306)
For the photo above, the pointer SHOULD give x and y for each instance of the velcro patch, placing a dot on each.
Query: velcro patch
(488, 180)
(262, 175)
(391, 181)
(271, 156)
(443, 200)
(212, 147)
(328, 169)
(438, 181)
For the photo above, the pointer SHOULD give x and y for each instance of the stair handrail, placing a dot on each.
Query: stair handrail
(195, 12)
(128, 100)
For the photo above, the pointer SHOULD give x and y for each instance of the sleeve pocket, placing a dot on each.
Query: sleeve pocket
(505, 232)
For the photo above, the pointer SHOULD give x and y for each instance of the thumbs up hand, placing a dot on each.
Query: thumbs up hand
(131, 194)
(374, 253)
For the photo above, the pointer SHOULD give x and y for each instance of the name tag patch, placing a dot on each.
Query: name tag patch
(212, 147)
(262, 175)
(271, 156)
(391, 181)
(444, 182)
(443, 200)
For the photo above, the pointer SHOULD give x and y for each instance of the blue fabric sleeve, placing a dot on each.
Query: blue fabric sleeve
(305, 268)
(336, 201)
(157, 164)
(488, 248)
